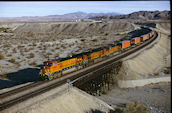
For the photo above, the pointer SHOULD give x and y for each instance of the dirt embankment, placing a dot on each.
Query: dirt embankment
(69, 101)
(150, 61)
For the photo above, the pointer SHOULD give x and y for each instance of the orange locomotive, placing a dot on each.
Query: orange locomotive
(50, 68)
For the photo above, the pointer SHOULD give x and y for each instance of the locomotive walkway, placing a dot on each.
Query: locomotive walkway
(19, 95)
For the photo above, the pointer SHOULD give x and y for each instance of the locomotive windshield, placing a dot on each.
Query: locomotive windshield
(47, 64)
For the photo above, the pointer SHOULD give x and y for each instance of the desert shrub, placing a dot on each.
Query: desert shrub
(31, 55)
(9, 55)
(4, 76)
(94, 40)
(156, 74)
(46, 56)
(136, 108)
(83, 40)
(7, 45)
(26, 50)
(102, 32)
(33, 63)
(14, 50)
(49, 53)
(57, 55)
(20, 46)
(167, 71)
(63, 46)
(1, 56)
(117, 110)
(34, 44)
(3, 29)
(52, 50)
(30, 34)
(106, 34)
(31, 48)
(104, 38)
(57, 47)
(130, 108)
(124, 35)
(12, 60)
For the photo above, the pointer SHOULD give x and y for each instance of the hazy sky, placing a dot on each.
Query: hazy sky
(17, 9)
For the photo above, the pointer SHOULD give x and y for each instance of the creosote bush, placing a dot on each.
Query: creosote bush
(12, 60)
(33, 63)
(7, 45)
(1, 56)
(14, 50)
(31, 55)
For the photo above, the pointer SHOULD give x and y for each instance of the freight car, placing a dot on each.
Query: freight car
(135, 40)
(52, 69)
(124, 44)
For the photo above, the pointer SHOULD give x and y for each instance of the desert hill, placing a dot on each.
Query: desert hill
(143, 15)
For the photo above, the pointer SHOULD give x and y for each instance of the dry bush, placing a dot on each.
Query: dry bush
(102, 32)
(83, 40)
(40, 47)
(32, 48)
(106, 34)
(31, 55)
(33, 63)
(20, 46)
(9, 55)
(30, 34)
(52, 50)
(137, 108)
(14, 50)
(26, 50)
(57, 48)
(49, 53)
(34, 44)
(63, 46)
(130, 108)
(167, 70)
(46, 56)
(94, 40)
(1, 56)
(12, 60)
(4, 76)
(57, 55)
(117, 110)
(156, 74)
(7, 45)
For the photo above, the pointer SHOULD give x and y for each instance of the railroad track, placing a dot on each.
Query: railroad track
(44, 87)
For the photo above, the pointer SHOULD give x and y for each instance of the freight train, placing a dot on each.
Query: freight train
(53, 68)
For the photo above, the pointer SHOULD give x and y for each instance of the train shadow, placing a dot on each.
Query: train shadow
(20, 77)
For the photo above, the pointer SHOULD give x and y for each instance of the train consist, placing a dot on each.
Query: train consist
(51, 69)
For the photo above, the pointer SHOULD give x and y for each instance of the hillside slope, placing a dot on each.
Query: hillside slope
(150, 61)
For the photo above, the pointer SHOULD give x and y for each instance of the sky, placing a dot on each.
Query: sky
(18, 9)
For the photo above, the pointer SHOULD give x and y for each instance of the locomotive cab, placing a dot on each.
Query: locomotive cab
(46, 69)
